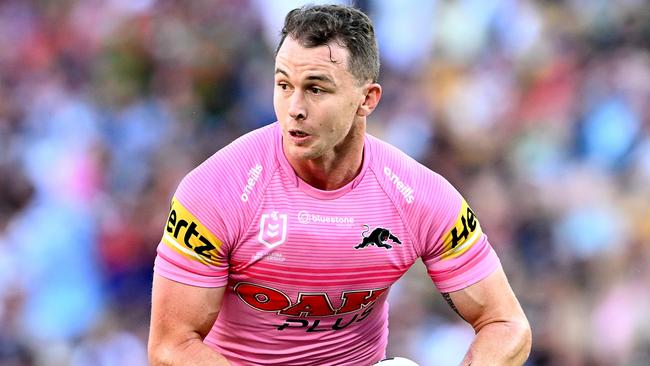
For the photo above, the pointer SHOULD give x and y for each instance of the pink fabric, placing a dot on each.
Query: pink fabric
(298, 291)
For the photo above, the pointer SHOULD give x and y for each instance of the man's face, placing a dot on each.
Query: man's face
(315, 100)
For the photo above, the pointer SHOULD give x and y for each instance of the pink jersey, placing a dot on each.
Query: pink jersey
(306, 271)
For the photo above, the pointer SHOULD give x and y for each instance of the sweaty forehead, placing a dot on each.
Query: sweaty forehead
(293, 57)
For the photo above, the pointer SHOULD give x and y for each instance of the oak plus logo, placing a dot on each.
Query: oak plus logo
(273, 229)
(307, 312)
(402, 187)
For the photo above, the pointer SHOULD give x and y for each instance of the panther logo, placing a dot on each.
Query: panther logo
(377, 237)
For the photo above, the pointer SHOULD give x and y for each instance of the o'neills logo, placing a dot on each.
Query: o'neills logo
(403, 188)
(253, 176)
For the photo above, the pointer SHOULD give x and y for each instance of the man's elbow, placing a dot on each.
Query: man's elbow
(159, 354)
(523, 333)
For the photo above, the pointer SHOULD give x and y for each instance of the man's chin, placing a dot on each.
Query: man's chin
(301, 153)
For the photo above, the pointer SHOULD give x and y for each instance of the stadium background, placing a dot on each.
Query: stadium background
(538, 111)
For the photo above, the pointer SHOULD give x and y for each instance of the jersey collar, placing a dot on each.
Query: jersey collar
(290, 177)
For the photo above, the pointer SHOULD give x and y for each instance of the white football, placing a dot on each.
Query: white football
(396, 361)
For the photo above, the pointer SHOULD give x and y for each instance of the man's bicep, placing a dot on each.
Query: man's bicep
(182, 312)
(487, 301)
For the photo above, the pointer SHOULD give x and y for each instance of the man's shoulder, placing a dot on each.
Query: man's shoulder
(427, 202)
(401, 175)
(259, 142)
(239, 167)
(388, 159)
(254, 148)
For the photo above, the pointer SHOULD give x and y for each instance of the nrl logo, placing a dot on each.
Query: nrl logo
(273, 229)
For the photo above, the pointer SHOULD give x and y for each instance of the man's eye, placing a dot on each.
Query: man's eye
(283, 86)
(316, 90)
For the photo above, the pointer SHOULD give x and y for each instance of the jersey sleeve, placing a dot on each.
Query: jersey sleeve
(212, 208)
(457, 253)
(446, 232)
(189, 251)
(192, 250)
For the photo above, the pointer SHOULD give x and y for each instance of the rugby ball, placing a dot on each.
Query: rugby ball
(396, 361)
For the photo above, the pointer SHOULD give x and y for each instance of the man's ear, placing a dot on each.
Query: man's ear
(373, 94)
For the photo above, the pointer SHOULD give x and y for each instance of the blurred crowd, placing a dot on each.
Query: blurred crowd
(537, 111)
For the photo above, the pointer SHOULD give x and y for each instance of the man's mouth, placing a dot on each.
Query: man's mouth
(298, 133)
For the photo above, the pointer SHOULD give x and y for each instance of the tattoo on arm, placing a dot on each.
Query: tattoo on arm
(451, 304)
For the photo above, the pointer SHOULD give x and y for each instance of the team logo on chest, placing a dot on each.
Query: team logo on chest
(378, 237)
(273, 229)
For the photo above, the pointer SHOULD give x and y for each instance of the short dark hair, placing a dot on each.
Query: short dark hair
(317, 25)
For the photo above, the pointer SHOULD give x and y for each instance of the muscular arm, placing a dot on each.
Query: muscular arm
(503, 335)
(181, 316)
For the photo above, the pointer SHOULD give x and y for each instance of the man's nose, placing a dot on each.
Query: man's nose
(297, 109)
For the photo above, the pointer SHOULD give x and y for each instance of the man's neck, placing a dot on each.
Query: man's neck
(335, 169)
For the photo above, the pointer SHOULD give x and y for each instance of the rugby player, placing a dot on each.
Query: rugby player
(281, 248)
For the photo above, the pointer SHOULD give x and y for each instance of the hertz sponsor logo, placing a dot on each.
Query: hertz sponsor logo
(463, 235)
(187, 236)
(403, 188)
(253, 175)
